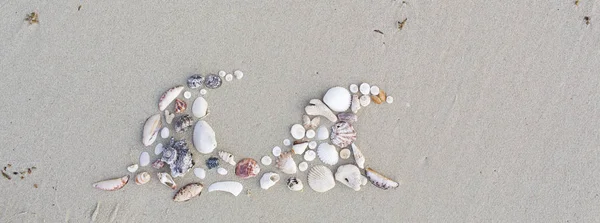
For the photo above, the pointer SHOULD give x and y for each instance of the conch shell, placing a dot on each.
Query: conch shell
(227, 157)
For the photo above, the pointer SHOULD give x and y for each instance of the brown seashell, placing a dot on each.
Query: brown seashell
(382, 95)
(142, 178)
(375, 99)
(188, 192)
(247, 168)
(180, 106)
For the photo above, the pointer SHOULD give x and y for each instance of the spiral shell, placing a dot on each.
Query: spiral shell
(227, 157)
(342, 134)
(183, 123)
(180, 106)
(142, 178)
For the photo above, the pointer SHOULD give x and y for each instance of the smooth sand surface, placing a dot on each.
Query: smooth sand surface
(496, 111)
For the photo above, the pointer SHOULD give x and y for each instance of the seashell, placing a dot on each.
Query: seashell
(183, 123)
(200, 107)
(353, 88)
(382, 96)
(310, 134)
(195, 81)
(295, 184)
(200, 173)
(355, 105)
(144, 159)
(179, 158)
(232, 187)
(307, 123)
(303, 166)
(142, 178)
(222, 171)
(297, 131)
(337, 99)
(347, 117)
(317, 107)
(204, 137)
(188, 192)
(374, 90)
(112, 184)
(169, 116)
(187, 94)
(310, 155)
(227, 157)
(322, 133)
(168, 97)
(320, 179)
(327, 154)
(159, 149)
(212, 162)
(132, 168)
(287, 142)
(167, 180)
(222, 73)
(229, 77)
(342, 134)
(364, 100)
(203, 91)
(157, 164)
(300, 148)
(164, 132)
(268, 180)
(389, 99)
(313, 144)
(376, 99)
(151, 129)
(345, 154)
(379, 180)
(350, 176)
(358, 156)
(180, 106)
(276, 151)
(286, 163)
(266, 160)
(213, 81)
(247, 168)
(365, 88)
(238, 74)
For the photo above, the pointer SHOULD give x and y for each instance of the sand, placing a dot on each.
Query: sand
(495, 115)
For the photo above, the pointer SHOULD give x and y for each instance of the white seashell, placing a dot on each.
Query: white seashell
(355, 105)
(317, 107)
(188, 192)
(168, 97)
(300, 148)
(276, 151)
(203, 91)
(365, 88)
(222, 73)
(364, 100)
(144, 159)
(169, 116)
(204, 137)
(227, 157)
(342, 134)
(287, 142)
(322, 133)
(151, 130)
(132, 168)
(232, 187)
(350, 176)
(268, 180)
(187, 94)
(345, 154)
(167, 180)
(142, 178)
(164, 133)
(310, 134)
(286, 163)
(222, 171)
(374, 90)
(295, 184)
(308, 123)
(229, 77)
(312, 145)
(200, 107)
(159, 149)
(238, 74)
(320, 179)
(303, 166)
(389, 99)
(310, 155)
(266, 160)
(337, 99)
(358, 156)
(200, 173)
(353, 88)
(297, 131)
(327, 154)
(112, 184)
(380, 181)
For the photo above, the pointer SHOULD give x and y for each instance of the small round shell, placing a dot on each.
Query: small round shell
(187, 94)
(365, 88)
(345, 153)
(238, 74)
(389, 99)
(310, 133)
(287, 142)
(203, 91)
(364, 100)
(222, 73)
(200, 173)
(297, 131)
(266, 160)
(222, 171)
(312, 145)
(276, 151)
(353, 88)
(374, 90)
(228, 77)
(142, 178)
(303, 166)
(310, 155)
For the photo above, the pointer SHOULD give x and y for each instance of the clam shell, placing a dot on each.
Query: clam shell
(180, 106)
(337, 99)
(227, 157)
(112, 184)
(320, 179)
(232, 187)
(355, 105)
(183, 123)
(379, 180)
(310, 155)
(300, 148)
(295, 184)
(188, 192)
(327, 154)
(151, 128)
(345, 153)
(268, 180)
(195, 81)
(358, 156)
(247, 168)
(168, 97)
(142, 178)
(350, 176)
(297, 131)
(167, 180)
(286, 163)
(213, 81)
(342, 134)
(365, 88)
(322, 133)
(200, 107)
(204, 137)
(317, 107)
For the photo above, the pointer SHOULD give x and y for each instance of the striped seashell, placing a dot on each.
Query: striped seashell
(342, 134)
(142, 178)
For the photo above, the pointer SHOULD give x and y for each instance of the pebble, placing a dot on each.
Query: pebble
(187, 94)
(365, 88)
(310, 133)
(266, 160)
(222, 73)
(312, 145)
(228, 77)
(390, 100)
(287, 142)
(276, 151)
(238, 74)
(164, 133)
(354, 88)
(374, 90)
(203, 91)
(159, 149)
(200, 173)
(144, 159)
(222, 171)
(310, 155)
(132, 168)
(303, 166)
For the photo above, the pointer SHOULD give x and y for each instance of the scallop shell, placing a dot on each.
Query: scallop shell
(232, 187)
(310, 155)
(200, 107)
(294, 184)
(195, 81)
(350, 176)
(142, 178)
(380, 181)
(178, 156)
(212, 162)
(300, 148)
(227, 157)
(320, 179)
(167, 180)
(213, 81)
(204, 137)
(317, 107)
(345, 153)
(308, 123)
(151, 129)
(180, 106)
(286, 163)
(327, 153)
(247, 168)
(112, 184)
(337, 99)
(297, 131)
(355, 105)
(342, 134)
(168, 97)
(188, 192)
(183, 123)
(347, 117)
(358, 156)
(268, 180)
